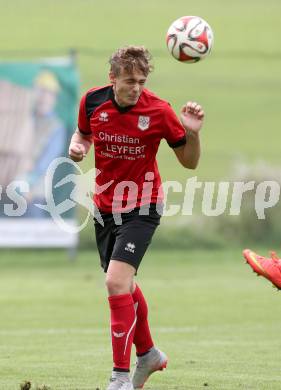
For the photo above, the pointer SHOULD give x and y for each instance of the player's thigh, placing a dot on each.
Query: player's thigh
(105, 240)
(133, 238)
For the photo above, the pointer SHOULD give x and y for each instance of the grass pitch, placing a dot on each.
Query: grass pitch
(219, 325)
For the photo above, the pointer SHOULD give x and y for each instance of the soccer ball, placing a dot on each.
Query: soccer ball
(190, 39)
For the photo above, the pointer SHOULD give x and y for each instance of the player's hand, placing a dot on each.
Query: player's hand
(192, 117)
(77, 152)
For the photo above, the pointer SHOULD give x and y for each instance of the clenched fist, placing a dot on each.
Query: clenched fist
(77, 151)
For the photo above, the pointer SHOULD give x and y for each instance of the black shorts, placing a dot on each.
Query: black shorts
(129, 240)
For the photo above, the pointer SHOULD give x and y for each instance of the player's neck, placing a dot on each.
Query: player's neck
(119, 102)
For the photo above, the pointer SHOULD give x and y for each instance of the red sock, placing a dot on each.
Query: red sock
(142, 338)
(123, 322)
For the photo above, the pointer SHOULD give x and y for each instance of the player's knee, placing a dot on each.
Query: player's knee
(117, 286)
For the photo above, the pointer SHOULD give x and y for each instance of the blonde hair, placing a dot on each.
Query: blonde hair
(131, 58)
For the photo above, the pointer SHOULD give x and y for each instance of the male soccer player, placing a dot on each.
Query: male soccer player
(270, 268)
(126, 122)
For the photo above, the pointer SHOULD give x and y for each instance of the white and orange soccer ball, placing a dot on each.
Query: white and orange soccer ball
(190, 39)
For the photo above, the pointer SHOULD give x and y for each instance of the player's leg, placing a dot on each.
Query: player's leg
(149, 358)
(106, 239)
(119, 279)
(142, 339)
(133, 240)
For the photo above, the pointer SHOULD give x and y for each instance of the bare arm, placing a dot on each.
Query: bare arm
(191, 117)
(79, 146)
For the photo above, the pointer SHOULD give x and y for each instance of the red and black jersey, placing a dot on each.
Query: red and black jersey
(126, 140)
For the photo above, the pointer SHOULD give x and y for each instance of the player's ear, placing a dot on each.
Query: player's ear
(112, 77)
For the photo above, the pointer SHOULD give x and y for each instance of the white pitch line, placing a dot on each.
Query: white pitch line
(98, 331)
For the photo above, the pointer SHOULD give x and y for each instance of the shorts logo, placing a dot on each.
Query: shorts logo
(144, 122)
(118, 335)
(130, 247)
(103, 117)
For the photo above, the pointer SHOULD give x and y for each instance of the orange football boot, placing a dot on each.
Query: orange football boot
(270, 268)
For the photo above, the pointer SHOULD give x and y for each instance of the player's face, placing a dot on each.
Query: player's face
(128, 87)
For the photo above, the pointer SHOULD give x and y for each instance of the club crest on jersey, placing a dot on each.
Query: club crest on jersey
(103, 116)
(144, 122)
